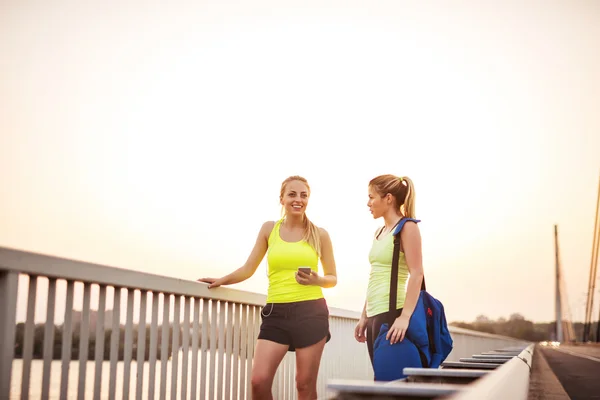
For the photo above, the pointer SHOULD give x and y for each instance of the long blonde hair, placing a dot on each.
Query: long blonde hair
(311, 231)
(402, 188)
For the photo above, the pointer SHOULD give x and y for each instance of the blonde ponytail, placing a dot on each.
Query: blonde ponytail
(409, 202)
(312, 236)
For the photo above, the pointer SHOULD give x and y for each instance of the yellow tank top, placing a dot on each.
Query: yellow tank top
(283, 260)
(378, 290)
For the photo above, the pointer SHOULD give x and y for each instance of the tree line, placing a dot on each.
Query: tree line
(38, 342)
(516, 326)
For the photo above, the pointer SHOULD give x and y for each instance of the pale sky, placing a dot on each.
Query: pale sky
(156, 138)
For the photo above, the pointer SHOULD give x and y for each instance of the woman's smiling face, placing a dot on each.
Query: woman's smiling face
(295, 198)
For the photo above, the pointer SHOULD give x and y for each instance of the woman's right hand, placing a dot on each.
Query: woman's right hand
(212, 282)
(360, 330)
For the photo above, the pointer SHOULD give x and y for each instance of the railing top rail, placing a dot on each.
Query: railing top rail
(463, 331)
(343, 313)
(62, 268)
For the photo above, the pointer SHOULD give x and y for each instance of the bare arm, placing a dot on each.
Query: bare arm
(360, 330)
(251, 264)
(411, 243)
(329, 278)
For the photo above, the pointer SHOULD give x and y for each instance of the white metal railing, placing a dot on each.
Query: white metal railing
(209, 357)
(203, 349)
(467, 342)
(135, 354)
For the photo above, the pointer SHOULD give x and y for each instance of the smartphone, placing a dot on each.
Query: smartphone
(306, 270)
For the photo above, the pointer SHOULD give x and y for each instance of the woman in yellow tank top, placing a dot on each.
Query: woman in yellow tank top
(391, 198)
(296, 317)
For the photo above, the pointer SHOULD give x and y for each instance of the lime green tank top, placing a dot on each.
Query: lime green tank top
(378, 290)
(283, 260)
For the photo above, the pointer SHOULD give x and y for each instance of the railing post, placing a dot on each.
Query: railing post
(8, 321)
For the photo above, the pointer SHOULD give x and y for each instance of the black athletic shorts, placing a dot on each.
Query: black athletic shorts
(299, 324)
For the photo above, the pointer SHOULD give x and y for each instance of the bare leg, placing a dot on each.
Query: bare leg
(307, 369)
(267, 357)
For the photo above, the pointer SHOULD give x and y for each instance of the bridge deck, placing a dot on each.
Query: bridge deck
(569, 371)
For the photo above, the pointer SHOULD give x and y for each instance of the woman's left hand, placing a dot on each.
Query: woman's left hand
(306, 279)
(398, 329)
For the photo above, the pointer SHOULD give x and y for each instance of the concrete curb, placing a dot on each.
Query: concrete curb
(543, 383)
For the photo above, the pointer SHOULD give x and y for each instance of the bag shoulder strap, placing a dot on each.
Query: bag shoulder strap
(395, 260)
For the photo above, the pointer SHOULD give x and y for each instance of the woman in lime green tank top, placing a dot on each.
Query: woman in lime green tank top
(296, 317)
(391, 198)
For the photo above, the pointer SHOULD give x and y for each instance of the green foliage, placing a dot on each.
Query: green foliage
(57, 345)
